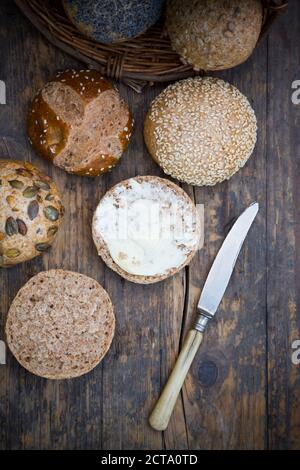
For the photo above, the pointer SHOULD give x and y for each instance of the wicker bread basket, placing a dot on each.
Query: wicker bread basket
(146, 59)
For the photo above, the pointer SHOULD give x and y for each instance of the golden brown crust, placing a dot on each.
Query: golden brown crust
(30, 212)
(103, 249)
(51, 143)
(60, 324)
(51, 130)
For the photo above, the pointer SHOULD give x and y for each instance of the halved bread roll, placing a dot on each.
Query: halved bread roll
(60, 324)
(146, 229)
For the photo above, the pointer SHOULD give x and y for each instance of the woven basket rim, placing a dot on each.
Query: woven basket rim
(147, 58)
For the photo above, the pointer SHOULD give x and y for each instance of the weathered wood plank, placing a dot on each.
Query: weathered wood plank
(149, 326)
(283, 255)
(224, 395)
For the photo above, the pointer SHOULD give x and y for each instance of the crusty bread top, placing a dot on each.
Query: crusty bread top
(80, 123)
(214, 35)
(200, 130)
(60, 324)
(175, 207)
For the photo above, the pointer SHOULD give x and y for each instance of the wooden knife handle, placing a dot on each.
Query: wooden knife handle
(160, 416)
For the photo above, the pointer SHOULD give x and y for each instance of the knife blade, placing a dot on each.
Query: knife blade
(223, 265)
(211, 296)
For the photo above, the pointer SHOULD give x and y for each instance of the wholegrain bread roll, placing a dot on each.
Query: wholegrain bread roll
(80, 123)
(146, 229)
(30, 212)
(214, 34)
(60, 324)
(200, 130)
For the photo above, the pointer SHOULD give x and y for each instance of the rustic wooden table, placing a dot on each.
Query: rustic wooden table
(243, 390)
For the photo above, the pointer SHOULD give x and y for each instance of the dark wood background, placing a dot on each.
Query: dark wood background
(243, 391)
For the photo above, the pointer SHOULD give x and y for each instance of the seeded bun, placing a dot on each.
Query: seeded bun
(60, 325)
(214, 35)
(30, 212)
(201, 130)
(79, 122)
(161, 191)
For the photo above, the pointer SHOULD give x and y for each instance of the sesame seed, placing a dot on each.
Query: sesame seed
(205, 130)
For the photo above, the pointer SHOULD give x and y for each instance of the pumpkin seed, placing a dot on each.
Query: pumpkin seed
(17, 184)
(42, 246)
(51, 213)
(2, 236)
(24, 172)
(42, 185)
(12, 253)
(22, 227)
(52, 231)
(11, 201)
(30, 192)
(49, 197)
(11, 226)
(33, 209)
(45, 178)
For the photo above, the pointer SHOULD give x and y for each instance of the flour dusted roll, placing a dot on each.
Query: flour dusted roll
(80, 123)
(146, 229)
(214, 34)
(200, 130)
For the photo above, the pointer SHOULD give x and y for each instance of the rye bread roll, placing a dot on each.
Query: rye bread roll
(30, 212)
(146, 229)
(60, 324)
(109, 21)
(200, 130)
(79, 122)
(214, 34)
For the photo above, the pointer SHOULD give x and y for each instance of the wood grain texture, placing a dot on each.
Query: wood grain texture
(283, 233)
(242, 391)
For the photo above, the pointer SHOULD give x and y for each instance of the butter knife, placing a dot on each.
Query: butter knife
(211, 296)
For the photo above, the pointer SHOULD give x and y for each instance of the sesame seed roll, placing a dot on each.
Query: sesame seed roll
(201, 130)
